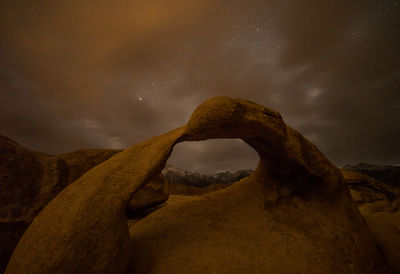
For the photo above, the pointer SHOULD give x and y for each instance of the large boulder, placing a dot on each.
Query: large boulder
(293, 214)
(379, 203)
(28, 181)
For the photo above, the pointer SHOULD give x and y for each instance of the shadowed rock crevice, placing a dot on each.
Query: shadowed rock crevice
(293, 214)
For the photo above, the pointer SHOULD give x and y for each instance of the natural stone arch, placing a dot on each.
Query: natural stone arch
(84, 230)
(285, 155)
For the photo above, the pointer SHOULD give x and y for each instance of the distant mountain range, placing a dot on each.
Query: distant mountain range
(385, 173)
(175, 175)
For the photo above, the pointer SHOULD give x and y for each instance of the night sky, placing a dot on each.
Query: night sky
(108, 74)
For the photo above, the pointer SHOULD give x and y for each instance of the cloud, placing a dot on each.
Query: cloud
(80, 74)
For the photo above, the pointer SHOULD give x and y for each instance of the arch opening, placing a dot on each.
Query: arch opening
(200, 167)
(213, 155)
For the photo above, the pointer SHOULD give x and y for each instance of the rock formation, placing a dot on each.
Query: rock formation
(293, 214)
(81, 161)
(379, 203)
(29, 180)
(152, 194)
(384, 173)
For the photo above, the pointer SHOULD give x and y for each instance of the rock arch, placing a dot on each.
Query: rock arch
(84, 229)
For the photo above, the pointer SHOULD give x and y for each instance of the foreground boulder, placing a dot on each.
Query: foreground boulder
(294, 214)
(29, 180)
(379, 203)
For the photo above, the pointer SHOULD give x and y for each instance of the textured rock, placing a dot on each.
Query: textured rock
(367, 191)
(379, 204)
(84, 229)
(293, 214)
(28, 181)
(152, 194)
(80, 161)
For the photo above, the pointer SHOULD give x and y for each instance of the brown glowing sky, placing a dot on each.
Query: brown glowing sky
(81, 74)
